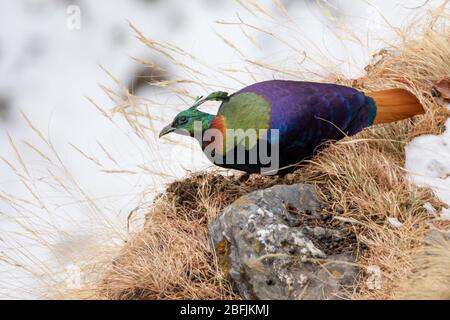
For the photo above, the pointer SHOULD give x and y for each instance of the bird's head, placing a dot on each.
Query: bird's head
(185, 122)
(188, 120)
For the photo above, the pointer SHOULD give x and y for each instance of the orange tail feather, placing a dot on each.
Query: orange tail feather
(395, 104)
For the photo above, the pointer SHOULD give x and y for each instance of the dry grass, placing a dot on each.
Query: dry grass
(171, 257)
(361, 178)
(429, 278)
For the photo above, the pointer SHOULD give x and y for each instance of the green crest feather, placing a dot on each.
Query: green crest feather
(215, 96)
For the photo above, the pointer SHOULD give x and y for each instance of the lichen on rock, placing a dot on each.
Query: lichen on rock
(267, 248)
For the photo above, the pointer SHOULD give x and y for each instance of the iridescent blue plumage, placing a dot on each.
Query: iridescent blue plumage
(308, 113)
(305, 114)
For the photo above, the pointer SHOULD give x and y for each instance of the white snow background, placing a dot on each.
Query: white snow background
(428, 163)
(47, 71)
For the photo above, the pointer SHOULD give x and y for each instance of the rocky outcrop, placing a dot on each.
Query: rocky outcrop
(276, 244)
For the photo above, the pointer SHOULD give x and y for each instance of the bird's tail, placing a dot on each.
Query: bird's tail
(395, 104)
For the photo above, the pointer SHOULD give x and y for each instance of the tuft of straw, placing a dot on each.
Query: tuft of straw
(429, 279)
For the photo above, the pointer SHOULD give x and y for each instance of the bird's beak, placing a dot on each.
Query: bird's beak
(167, 129)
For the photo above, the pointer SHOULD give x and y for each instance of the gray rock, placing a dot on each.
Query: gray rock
(267, 252)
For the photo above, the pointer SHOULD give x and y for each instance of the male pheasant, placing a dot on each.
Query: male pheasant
(292, 118)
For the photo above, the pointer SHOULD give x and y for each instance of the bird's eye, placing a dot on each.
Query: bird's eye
(182, 120)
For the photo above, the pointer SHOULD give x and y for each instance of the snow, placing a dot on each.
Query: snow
(48, 71)
(430, 209)
(394, 222)
(428, 164)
